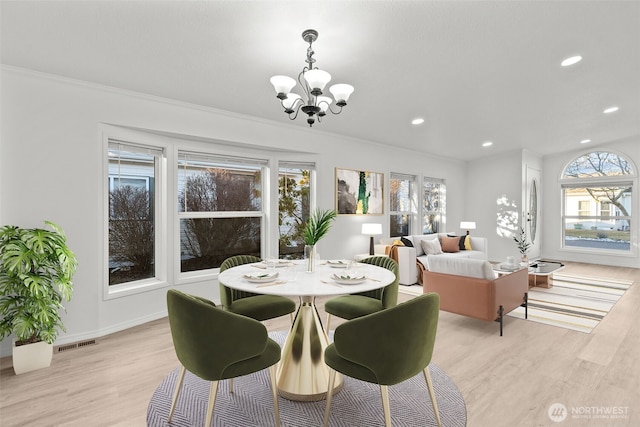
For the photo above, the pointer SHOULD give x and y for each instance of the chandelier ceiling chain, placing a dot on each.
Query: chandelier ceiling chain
(313, 81)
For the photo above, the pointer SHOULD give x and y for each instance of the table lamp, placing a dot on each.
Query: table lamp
(371, 230)
(467, 225)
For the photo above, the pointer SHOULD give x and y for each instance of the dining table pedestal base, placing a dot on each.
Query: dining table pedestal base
(302, 374)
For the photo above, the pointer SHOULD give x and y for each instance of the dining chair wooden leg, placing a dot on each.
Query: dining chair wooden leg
(230, 385)
(176, 392)
(384, 392)
(332, 380)
(213, 392)
(427, 377)
(274, 393)
(291, 318)
(328, 322)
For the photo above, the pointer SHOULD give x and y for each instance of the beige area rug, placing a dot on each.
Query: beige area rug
(573, 302)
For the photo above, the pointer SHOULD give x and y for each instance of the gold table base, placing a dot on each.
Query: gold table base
(302, 374)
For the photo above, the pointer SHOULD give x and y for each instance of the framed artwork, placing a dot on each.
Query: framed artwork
(359, 192)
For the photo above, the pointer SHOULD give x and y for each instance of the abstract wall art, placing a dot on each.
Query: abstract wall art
(359, 192)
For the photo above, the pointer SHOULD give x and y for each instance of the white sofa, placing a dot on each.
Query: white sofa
(407, 256)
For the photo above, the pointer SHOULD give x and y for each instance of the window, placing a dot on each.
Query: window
(597, 191)
(584, 207)
(433, 205)
(294, 199)
(402, 209)
(220, 209)
(133, 214)
(605, 209)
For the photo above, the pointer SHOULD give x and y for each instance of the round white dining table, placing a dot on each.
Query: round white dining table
(302, 374)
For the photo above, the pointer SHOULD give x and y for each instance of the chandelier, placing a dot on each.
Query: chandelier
(313, 81)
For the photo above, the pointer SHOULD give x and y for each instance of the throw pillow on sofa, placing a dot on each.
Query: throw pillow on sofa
(431, 246)
(450, 244)
(463, 239)
(406, 242)
(467, 243)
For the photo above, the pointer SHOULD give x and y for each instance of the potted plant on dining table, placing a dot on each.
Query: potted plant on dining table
(316, 228)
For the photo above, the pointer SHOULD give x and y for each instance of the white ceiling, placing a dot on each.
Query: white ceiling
(475, 70)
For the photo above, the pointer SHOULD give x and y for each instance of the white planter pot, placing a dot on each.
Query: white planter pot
(30, 357)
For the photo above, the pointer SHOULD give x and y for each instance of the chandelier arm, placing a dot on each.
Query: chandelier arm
(334, 112)
(296, 111)
(303, 84)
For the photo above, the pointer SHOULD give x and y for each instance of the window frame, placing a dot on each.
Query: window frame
(443, 204)
(292, 164)
(136, 141)
(412, 211)
(621, 180)
(264, 166)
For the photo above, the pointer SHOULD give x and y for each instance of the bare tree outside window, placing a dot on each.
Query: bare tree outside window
(294, 200)
(207, 242)
(131, 235)
(432, 205)
(402, 209)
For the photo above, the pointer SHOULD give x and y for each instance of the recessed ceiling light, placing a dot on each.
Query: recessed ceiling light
(584, 141)
(610, 110)
(572, 60)
(417, 121)
(487, 144)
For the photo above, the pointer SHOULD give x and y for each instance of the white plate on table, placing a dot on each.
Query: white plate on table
(278, 263)
(338, 263)
(347, 279)
(260, 277)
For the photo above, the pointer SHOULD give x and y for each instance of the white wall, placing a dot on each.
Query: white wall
(552, 203)
(494, 201)
(52, 168)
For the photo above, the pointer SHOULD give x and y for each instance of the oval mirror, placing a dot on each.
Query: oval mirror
(533, 210)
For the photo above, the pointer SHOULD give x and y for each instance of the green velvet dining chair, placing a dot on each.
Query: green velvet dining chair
(360, 304)
(379, 348)
(217, 345)
(256, 306)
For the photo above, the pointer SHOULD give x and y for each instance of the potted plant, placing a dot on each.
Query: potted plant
(36, 272)
(316, 228)
(577, 226)
(523, 245)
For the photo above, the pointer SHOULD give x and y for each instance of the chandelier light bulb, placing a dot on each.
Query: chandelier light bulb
(341, 93)
(282, 85)
(289, 102)
(317, 80)
(324, 102)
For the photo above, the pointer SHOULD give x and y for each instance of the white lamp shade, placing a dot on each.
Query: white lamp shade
(341, 91)
(467, 225)
(323, 102)
(317, 79)
(282, 84)
(371, 229)
(290, 101)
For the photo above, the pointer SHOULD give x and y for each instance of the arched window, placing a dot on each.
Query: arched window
(597, 191)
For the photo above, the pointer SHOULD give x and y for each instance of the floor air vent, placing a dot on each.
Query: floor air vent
(76, 345)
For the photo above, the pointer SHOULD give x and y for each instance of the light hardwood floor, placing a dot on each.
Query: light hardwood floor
(506, 381)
